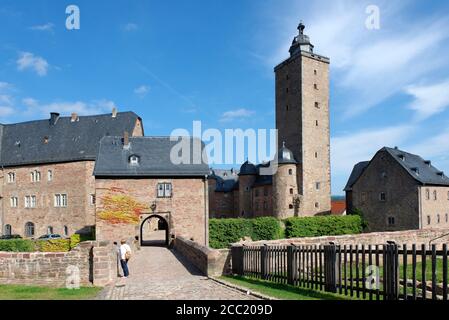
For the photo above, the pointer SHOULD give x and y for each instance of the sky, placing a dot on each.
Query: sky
(175, 62)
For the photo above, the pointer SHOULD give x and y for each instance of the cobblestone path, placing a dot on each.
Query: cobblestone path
(158, 273)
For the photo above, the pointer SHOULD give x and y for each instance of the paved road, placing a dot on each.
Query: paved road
(157, 273)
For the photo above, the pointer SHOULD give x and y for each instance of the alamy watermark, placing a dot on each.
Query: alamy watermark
(372, 22)
(73, 21)
(73, 277)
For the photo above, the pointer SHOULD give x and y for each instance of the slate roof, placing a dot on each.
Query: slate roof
(419, 169)
(154, 158)
(227, 180)
(355, 174)
(40, 141)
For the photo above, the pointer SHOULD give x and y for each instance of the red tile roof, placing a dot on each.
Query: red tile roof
(338, 207)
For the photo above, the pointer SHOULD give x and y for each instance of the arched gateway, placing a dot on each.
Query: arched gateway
(154, 231)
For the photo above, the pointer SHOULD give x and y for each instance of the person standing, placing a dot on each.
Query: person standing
(125, 255)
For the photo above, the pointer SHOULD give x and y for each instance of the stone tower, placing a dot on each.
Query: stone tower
(302, 120)
(247, 177)
(285, 187)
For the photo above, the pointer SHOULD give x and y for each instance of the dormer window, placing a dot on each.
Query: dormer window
(416, 171)
(402, 157)
(428, 163)
(134, 160)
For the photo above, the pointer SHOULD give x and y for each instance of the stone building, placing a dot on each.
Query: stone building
(136, 181)
(398, 190)
(46, 183)
(301, 186)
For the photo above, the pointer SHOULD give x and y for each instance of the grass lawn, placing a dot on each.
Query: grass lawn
(17, 292)
(281, 291)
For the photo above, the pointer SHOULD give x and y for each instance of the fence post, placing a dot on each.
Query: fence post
(391, 276)
(330, 268)
(237, 260)
(291, 265)
(264, 261)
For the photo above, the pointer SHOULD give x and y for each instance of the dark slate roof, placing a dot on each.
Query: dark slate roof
(154, 158)
(420, 169)
(285, 156)
(355, 174)
(227, 180)
(264, 180)
(248, 168)
(24, 143)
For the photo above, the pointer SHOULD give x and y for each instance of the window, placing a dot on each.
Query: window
(286, 90)
(427, 194)
(317, 205)
(49, 175)
(364, 196)
(316, 154)
(66, 231)
(391, 221)
(14, 202)
(382, 196)
(35, 176)
(316, 123)
(92, 199)
(49, 230)
(265, 205)
(434, 195)
(315, 72)
(383, 175)
(287, 76)
(429, 220)
(8, 230)
(290, 172)
(291, 190)
(438, 218)
(317, 105)
(60, 200)
(447, 218)
(164, 190)
(30, 201)
(11, 177)
(315, 86)
(286, 107)
(290, 206)
(134, 160)
(317, 185)
(29, 229)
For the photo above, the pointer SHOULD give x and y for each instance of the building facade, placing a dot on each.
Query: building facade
(301, 185)
(398, 190)
(47, 183)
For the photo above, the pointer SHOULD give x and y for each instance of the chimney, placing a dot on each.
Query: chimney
(114, 112)
(54, 116)
(74, 117)
(126, 139)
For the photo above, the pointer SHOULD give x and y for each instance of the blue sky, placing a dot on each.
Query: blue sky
(179, 61)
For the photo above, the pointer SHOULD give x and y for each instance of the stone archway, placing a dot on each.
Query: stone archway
(158, 225)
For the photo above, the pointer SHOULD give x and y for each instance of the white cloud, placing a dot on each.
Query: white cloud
(68, 107)
(28, 60)
(429, 99)
(130, 27)
(142, 90)
(44, 27)
(354, 147)
(6, 111)
(236, 115)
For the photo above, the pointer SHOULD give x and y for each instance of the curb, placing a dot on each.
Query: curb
(242, 289)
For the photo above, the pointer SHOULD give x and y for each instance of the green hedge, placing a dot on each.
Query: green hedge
(56, 245)
(17, 245)
(323, 226)
(223, 232)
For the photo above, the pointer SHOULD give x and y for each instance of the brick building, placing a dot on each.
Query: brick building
(46, 183)
(398, 190)
(136, 180)
(301, 186)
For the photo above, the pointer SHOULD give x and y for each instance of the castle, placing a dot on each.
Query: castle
(301, 186)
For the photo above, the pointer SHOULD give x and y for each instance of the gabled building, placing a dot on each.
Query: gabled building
(47, 183)
(398, 190)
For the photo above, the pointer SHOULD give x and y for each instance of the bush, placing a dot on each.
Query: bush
(17, 245)
(223, 232)
(75, 239)
(323, 226)
(56, 245)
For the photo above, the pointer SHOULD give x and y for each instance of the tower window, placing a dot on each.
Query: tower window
(287, 107)
(316, 123)
(438, 218)
(290, 172)
(290, 206)
(286, 90)
(315, 72)
(291, 190)
(316, 154)
(434, 195)
(317, 105)
(429, 220)
(315, 86)
(317, 186)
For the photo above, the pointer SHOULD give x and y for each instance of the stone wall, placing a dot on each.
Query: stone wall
(400, 237)
(95, 261)
(210, 262)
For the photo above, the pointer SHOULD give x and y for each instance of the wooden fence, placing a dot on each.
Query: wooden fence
(374, 272)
